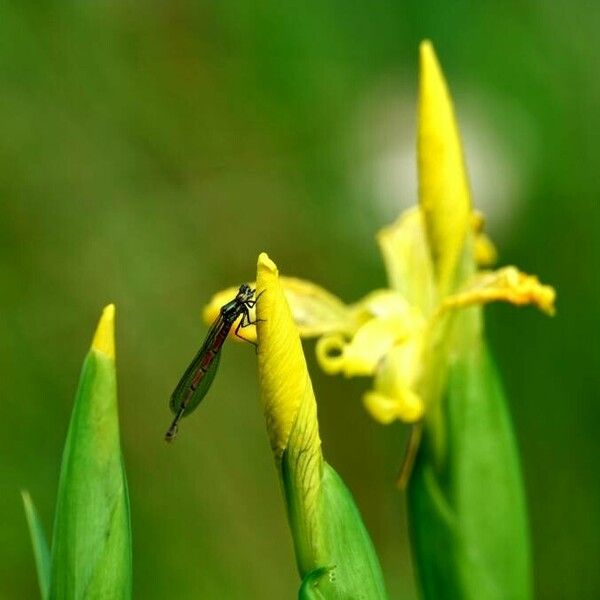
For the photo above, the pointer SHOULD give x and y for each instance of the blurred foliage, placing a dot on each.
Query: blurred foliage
(151, 150)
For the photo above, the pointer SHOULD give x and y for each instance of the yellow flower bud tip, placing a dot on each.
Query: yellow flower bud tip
(443, 187)
(265, 264)
(104, 338)
(288, 400)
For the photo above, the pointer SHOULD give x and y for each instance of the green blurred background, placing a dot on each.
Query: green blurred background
(149, 151)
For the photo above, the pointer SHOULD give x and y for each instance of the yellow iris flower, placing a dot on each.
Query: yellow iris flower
(433, 254)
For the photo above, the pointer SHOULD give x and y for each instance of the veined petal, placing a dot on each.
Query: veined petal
(314, 310)
(443, 185)
(507, 284)
(407, 259)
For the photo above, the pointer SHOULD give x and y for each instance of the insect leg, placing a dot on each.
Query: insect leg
(252, 303)
(249, 322)
(244, 322)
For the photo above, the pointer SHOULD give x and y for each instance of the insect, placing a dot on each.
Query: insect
(198, 377)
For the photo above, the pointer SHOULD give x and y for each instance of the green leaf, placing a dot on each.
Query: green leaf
(41, 551)
(356, 573)
(314, 585)
(91, 549)
(350, 567)
(468, 518)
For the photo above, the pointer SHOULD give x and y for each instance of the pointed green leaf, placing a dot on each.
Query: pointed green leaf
(41, 552)
(350, 566)
(468, 519)
(356, 572)
(91, 549)
(314, 585)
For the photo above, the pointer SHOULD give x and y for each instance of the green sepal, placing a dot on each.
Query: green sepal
(91, 548)
(41, 551)
(357, 571)
(314, 585)
(468, 517)
(341, 563)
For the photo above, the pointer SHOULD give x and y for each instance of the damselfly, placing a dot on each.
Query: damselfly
(199, 376)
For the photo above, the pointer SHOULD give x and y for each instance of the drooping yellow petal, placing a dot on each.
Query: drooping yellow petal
(104, 338)
(408, 408)
(385, 318)
(285, 386)
(394, 396)
(508, 285)
(443, 184)
(314, 310)
(407, 259)
(362, 354)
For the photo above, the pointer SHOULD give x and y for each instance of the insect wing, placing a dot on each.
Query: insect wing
(184, 387)
(198, 394)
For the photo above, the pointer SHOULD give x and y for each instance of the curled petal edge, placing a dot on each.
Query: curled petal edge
(506, 285)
